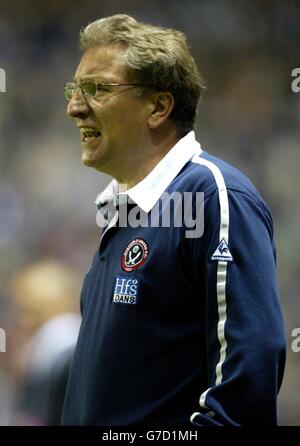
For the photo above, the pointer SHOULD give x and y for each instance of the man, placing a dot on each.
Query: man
(177, 327)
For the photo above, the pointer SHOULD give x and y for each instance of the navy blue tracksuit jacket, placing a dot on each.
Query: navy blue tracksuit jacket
(180, 328)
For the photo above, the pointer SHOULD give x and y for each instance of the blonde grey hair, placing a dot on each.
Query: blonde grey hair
(156, 56)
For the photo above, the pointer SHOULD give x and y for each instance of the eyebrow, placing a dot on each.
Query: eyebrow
(94, 78)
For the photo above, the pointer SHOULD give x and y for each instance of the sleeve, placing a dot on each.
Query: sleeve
(244, 335)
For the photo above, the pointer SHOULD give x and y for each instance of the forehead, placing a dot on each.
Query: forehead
(102, 63)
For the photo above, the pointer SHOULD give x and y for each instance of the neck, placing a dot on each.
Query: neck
(144, 160)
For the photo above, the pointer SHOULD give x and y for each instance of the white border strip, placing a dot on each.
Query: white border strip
(221, 271)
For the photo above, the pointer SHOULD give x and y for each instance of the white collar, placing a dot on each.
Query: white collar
(148, 191)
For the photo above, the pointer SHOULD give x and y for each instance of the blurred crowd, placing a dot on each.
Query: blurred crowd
(246, 51)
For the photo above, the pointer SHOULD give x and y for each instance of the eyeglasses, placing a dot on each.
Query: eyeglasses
(91, 88)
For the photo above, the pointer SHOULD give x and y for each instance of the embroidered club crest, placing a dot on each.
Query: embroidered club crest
(135, 255)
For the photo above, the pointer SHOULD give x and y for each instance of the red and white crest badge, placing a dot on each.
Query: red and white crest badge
(135, 255)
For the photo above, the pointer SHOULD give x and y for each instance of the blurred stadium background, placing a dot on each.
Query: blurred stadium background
(249, 115)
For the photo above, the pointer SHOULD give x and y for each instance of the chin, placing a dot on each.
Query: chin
(95, 163)
(89, 159)
(88, 162)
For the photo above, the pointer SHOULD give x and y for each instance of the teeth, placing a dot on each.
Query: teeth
(87, 129)
(89, 132)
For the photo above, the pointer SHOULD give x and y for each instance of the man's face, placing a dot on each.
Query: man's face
(114, 123)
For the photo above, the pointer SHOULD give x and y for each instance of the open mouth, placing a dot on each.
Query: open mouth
(89, 134)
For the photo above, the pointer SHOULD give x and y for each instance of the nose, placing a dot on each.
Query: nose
(78, 106)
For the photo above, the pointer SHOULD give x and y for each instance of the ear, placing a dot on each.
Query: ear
(163, 104)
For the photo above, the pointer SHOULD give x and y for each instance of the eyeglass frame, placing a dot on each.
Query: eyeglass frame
(97, 84)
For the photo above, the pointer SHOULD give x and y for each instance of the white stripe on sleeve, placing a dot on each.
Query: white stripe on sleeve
(221, 271)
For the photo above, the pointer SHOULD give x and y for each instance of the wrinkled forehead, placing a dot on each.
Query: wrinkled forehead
(102, 63)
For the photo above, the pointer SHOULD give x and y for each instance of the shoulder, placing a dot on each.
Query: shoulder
(211, 175)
